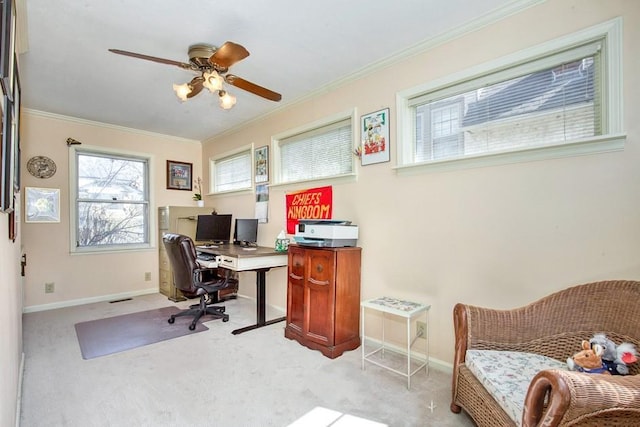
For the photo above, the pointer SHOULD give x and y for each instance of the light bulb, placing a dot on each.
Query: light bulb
(212, 81)
(182, 91)
(227, 100)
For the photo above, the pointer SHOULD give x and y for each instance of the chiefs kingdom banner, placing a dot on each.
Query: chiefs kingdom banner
(315, 203)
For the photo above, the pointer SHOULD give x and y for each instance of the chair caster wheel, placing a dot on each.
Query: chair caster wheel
(192, 327)
(171, 320)
(225, 319)
(222, 309)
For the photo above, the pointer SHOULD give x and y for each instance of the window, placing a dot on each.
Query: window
(563, 94)
(318, 151)
(111, 197)
(232, 172)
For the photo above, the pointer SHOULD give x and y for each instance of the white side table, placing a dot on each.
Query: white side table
(407, 309)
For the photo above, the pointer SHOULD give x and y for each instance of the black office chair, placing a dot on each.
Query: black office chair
(193, 280)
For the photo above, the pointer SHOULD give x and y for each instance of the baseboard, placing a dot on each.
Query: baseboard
(19, 391)
(437, 364)
(81, 301)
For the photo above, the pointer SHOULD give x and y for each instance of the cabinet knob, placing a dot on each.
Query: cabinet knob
(319, 268)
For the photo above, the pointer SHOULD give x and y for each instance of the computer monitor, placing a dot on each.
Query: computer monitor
(213, 228)
(246, 232)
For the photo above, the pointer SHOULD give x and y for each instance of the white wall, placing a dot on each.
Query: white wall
(10, 323)
(82, 277)
(494, 236)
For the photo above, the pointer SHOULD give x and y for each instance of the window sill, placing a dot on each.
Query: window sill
(296, 185)
(111, 250)
(232, 192)
(595, 145)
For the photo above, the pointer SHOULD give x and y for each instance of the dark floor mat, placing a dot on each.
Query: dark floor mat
(115, 334)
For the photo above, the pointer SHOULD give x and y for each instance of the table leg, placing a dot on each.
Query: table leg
(261, 285)
(409, 353)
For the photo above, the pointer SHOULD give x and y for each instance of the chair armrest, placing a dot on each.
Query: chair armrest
(576, 397)
(200, 273)
(489, 329)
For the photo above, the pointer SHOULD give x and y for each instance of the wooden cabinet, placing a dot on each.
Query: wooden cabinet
(323, 298)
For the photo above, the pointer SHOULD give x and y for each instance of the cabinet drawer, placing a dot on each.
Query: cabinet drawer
(163, 261)
(227, 262)
(165, 275)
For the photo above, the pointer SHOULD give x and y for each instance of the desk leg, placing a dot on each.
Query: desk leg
(261, 304)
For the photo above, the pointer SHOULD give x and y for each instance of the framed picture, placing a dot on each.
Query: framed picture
(179, 175)
(262, 164)
(6, 56)
(6, 158)
(42, 204)
(374, 131)
(15, 140)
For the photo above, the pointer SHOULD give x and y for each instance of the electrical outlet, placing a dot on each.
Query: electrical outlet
(421, 329)
(49, 287)
(147, 276)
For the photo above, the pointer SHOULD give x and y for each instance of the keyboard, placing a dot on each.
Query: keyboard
(206, 257)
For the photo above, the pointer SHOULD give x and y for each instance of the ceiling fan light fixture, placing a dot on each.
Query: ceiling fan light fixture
(227, 101)
(212, 81)
(182, 91)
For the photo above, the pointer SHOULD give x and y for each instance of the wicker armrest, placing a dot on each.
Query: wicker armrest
(565, 397)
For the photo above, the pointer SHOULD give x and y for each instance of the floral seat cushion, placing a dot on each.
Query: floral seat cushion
(507, 374)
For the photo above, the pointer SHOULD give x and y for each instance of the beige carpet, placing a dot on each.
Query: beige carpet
(211, 378)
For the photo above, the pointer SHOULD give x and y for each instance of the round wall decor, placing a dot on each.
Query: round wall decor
(41, 167)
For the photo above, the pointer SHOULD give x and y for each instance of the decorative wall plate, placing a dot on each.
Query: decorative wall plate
(41, 167)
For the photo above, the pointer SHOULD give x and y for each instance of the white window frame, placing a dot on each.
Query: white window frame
(325, 121)
(245, 149)
(73, 196)
(612, 138)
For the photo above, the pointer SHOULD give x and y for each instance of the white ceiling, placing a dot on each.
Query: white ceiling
(297, 48)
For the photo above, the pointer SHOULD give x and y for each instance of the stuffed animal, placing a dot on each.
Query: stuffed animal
(588, 360)
(615, 357)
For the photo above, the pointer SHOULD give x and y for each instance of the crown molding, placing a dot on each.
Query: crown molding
(106, 125)
(475, 24)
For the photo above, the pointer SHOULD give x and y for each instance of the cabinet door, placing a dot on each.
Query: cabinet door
(320, 297)
(295, 289)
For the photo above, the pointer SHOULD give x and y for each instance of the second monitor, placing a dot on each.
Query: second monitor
(245, 232)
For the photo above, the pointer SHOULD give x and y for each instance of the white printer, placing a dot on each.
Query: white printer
(327, 233)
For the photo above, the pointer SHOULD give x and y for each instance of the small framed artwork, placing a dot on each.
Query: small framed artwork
(179, 175)
(262, 164)
(6, 158)
(374, 130)
(42, 204)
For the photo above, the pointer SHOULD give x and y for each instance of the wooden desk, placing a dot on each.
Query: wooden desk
(261, 259)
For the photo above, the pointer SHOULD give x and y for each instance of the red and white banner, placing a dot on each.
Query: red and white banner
(315, 203)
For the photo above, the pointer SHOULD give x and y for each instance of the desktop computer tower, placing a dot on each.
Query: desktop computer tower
(179, 220)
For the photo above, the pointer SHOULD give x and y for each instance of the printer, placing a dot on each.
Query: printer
(326, 233)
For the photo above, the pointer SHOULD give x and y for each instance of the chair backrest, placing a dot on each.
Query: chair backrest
(182, 256)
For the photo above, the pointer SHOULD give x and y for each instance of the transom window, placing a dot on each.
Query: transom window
(111, 198)
(232, 171)
(320, 150)
(561, 94)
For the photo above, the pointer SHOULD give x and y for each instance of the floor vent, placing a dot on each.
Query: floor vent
(120, 300)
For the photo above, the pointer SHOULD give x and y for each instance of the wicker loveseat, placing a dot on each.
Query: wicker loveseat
(553, 326)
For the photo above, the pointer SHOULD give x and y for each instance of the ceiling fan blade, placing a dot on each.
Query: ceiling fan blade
(196, 86)
(252, 87)
(228, 54)
(151, 58)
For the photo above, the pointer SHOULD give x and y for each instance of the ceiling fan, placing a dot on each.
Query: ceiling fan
(212, 65)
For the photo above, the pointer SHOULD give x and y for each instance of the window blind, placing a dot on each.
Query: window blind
(232, 172)
(548, 101)
(321, 152)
